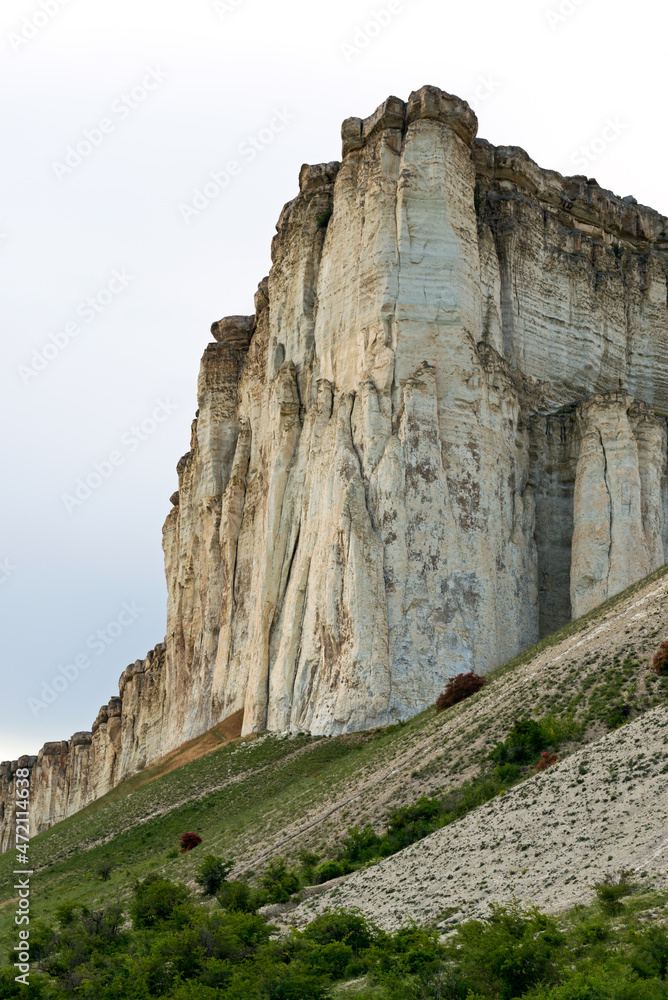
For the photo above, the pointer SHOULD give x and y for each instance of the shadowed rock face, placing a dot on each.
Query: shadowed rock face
(438, 438)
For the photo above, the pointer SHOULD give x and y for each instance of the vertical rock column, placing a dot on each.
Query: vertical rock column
(618, 518)
(193, 565)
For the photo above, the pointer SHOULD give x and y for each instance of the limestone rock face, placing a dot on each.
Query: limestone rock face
(67, 775)
(618, 512)
(439, 437)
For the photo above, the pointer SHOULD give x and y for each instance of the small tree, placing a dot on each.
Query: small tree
(660, 661)
(212, 873)
(611, 890)
(104, 870)
(189, 841)
(279, 881)
(236, 896)
(155, 900)
(458, 688)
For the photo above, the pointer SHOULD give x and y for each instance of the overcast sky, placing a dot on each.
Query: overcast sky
(114, 114)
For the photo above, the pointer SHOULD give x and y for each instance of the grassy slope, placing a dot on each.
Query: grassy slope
(260, 797)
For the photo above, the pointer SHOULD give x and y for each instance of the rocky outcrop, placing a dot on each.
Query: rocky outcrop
(618, 512)
(439, 436)
(67, 775)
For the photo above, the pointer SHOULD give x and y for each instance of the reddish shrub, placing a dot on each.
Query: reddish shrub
(458, 688)
(189, 840)
(547, 759)
(660, 661)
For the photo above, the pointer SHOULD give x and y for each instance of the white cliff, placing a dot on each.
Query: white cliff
(440, 436)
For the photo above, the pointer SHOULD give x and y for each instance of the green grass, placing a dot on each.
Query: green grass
(238, 795)
(270, 781)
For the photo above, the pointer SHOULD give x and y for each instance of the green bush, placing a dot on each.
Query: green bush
(237, 896)
(508, 954)
(66, 912)
(308, 861)
(329, 870)
(650, 955)
(345, 926)
(523, 745)
(618, 714)
(359, 845)
(9, 988)
(212, 873)
(156, 900)
(104, 870)
(612, 890)
(413, 950)
(333, 959)
(601, 984)
(182, 951)
(279, 881)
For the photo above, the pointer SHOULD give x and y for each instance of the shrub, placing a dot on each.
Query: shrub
(412, 950)
(508, 954)
(359, 845)
(236, 897)
(547, 759)
(66, 912)
(529, 737)
(601, 983)
(189, 841)
(660, 660)
(279, 881)
(308, 861)
(104, 870)
(458, 688)
(411, 823)
(650, 957)
(611, 890)
(155, 900)
(212, 873)
(329, 870)
(345, 926)
(9, 988)
(618, 715)
(324, 218)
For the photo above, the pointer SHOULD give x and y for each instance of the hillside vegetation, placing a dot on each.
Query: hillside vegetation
(306, 799)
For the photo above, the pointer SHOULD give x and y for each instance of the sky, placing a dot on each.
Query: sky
(124, 234)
